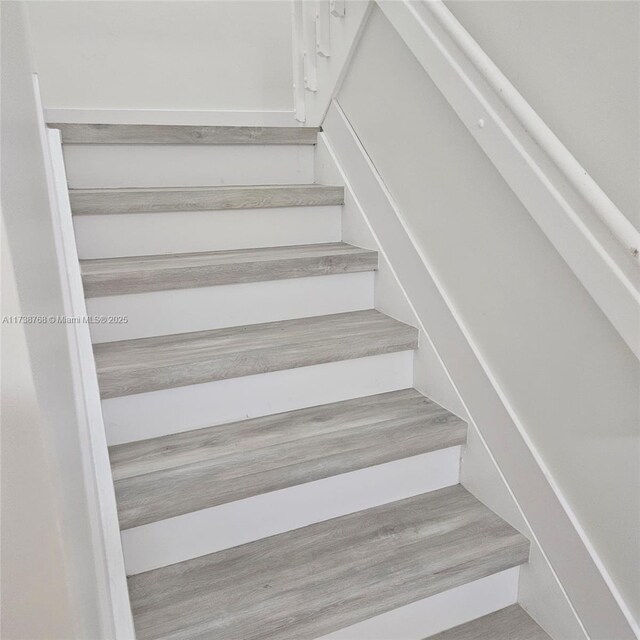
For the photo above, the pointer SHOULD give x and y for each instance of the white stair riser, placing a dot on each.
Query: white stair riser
(182, 310)
(159, 165)
(201, 532)
(159, 413)
(438, 613)
(138, 234)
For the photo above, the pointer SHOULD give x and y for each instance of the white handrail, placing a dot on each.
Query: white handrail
(596, 241)
(576, 175)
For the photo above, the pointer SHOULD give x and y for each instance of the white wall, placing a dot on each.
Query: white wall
(35, 596)
(570, 379)
(52, 424)
(577, 64)
(213, 55)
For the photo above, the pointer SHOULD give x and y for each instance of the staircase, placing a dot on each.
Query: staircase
(277, 476)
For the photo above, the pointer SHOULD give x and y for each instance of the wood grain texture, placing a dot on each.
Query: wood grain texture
(152, 200)
(176, 474)
(114, 276)
(183, 134)
(148, 364)
(511, 623)
(309, 582)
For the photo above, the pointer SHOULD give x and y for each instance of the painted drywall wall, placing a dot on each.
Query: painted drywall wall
(222, 55)
(577, 64)
(35, 596)
(570, 379)
(28, 232)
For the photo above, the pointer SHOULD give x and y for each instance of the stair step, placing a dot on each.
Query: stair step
(315, 580)
(172, 475)
(183, 134)
(115, 276)
(149, 364)
(152, 200)
(511, 623)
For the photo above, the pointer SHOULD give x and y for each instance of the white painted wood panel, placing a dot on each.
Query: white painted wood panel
(421, 619)
(108, 236)
(158, 413)
(527, 476)
(182, 310)
(198, 533)
(390, 297)
(138, 165)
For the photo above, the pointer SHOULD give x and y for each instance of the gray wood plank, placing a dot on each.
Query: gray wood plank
(183, 134)
(153, 200)
(148, 364)
(176, 474)
(309, 582)
(113, 276)
(511, 623)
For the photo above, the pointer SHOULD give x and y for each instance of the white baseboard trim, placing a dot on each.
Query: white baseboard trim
(555, 528)
(595, 239)
(438, 613)
(173, 116)
(538, 590)
(116, 619)
(202, 532)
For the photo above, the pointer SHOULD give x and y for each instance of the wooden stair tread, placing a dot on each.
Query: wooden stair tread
(114, 276)
(510, 623)
(80, 133)
(148, 364)
(158, 199)
(176, 474)
(312, 581)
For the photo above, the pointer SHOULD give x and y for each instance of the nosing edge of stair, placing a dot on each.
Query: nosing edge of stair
(170, 134)
(168, 278)
(216, 198)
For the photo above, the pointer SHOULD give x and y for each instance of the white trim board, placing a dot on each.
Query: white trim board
(199, 533)
(555, 528)
(172, 116)
(117, 621)
(539, 592)
(590, 233)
